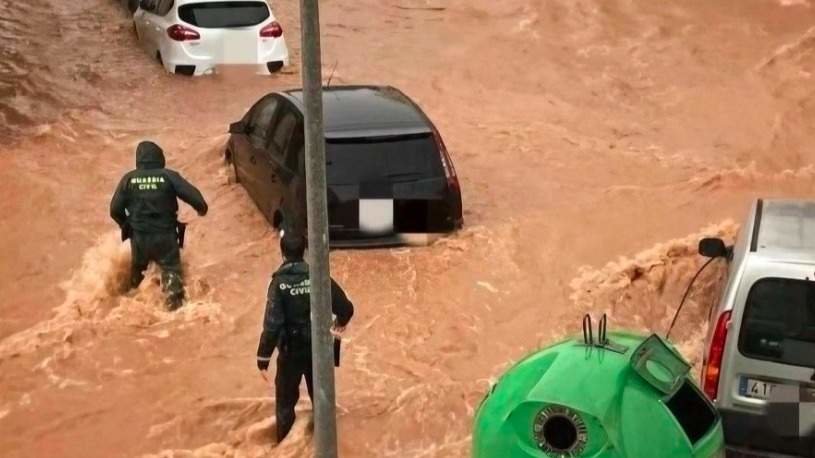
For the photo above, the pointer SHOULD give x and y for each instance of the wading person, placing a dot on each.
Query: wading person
(287, 326)
(145, 207)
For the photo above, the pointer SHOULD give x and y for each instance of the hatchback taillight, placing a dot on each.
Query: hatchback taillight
(178, 32)
(713, 366)
(273, 30)
(449, 170)
(453, 185)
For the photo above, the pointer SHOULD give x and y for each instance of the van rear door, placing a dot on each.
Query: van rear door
(770, 358)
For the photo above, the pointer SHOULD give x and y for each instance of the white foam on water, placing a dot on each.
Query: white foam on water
(96, 298)
(642, 293)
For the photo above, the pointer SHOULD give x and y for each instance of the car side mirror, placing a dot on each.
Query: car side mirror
(238, 128)
(713, 248)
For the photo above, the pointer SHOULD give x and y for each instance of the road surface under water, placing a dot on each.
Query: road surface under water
(595, 140)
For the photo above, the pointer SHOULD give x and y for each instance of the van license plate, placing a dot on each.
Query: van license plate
(757, 389)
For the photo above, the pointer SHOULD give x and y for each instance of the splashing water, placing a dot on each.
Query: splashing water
(643, 293)
(96, 298)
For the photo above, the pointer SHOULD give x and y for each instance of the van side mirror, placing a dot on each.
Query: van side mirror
(237, 128)
(713, 248)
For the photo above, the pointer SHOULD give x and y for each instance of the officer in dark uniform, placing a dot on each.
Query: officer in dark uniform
(287, 326)
(145, 207)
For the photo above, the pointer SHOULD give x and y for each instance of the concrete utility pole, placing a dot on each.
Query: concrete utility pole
(325, 427)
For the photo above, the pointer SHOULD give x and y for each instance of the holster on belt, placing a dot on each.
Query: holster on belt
(337, 345)
(127, 231)
(181, 229)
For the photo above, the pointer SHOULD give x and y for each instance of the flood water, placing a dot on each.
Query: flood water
(595, 141)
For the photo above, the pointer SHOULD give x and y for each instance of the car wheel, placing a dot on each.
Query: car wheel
(132, 5)
(274, 67)
(229, 159)
(235, 171)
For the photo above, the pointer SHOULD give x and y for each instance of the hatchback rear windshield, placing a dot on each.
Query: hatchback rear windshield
(779, 322)
(391, 159)
(219, 15)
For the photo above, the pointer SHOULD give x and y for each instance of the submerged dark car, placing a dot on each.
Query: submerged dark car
(388, 172)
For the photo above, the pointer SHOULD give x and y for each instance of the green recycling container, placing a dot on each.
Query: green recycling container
(628, 396)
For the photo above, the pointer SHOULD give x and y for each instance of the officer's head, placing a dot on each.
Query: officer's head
(149, 156)
(293, 246)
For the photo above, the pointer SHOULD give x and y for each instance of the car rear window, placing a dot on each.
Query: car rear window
(391, 159)
(779, 322)
(218, 15)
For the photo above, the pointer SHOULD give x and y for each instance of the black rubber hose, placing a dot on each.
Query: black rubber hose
(687, 291)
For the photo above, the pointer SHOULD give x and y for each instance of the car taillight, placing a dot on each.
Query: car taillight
(713, 366)
(180, 33)
(449, 170)
(273, 30)
(453, 186)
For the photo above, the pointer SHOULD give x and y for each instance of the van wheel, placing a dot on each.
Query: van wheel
(159, 59)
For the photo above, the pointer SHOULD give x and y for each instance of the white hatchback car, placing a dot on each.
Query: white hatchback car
(193, 37)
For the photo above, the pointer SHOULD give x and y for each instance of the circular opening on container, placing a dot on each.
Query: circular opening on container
(659, 371)
(560, 433)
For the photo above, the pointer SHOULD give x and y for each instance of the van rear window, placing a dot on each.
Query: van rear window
(779, 322)
(389, 159)
(219, 15)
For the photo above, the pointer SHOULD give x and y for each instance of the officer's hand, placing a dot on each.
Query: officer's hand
(263, 365)
(337, 331)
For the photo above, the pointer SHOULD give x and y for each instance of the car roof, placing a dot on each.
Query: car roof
(784, 230)
(367, 111)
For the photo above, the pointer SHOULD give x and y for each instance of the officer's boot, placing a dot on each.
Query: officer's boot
(174, 302)
(174, 289)
(138, 262)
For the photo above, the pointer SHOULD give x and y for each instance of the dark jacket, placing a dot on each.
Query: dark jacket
(287, 321)
(146, 198)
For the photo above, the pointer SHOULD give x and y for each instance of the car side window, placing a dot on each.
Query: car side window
(260, 122)
(164, 7)
(295, 149)
(282, 133)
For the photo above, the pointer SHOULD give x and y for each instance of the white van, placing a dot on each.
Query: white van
(759, 362)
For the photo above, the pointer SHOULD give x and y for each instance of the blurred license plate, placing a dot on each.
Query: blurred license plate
(757, 389)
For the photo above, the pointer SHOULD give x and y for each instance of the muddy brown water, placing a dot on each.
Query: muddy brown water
(596, 142)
